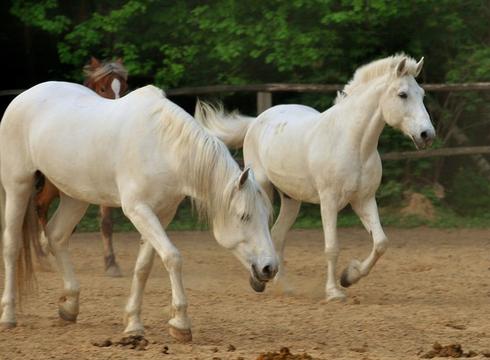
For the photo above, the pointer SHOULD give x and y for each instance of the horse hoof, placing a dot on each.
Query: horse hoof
(7, 325)
(336, 295)
(135, 332)
(113, 271)
(66, 316)
(344, 278)
(351, 274)
(181, 335)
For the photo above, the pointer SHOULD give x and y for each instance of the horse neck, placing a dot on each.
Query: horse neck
(366, 121)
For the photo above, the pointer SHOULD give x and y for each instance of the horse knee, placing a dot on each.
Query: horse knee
(142, 271)
(381, 245)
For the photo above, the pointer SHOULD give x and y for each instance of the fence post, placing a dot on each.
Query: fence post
(264, 101)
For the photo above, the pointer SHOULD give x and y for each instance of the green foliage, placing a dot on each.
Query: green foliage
(470, 193)
(390, 192)
(41, 14)
(228, 41)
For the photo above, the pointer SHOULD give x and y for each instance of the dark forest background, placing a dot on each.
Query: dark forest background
(196, 43)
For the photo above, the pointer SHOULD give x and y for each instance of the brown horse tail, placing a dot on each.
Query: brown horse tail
(26, 279)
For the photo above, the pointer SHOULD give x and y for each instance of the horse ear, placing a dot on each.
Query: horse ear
(243, 178)
(400, 68)
(94, 62)
(420, 64)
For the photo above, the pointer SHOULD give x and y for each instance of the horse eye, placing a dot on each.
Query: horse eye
(102, 89)
(403, 95)
(245, 218)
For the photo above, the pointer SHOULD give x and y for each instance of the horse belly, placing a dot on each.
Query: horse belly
(88, 189)
(285, 162)
(297, 188)
(78, 164)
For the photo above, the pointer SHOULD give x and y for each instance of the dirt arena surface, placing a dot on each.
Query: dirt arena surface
(431, 286)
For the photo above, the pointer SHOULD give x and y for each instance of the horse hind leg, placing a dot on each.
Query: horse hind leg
(368, 213)
(15, 199)
(112, 268)
(287, 215)
(59, 229)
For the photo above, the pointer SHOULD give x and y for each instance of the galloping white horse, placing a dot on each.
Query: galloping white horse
(140, 152)
(330, 158)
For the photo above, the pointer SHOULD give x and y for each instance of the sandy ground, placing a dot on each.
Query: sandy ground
(432, 285)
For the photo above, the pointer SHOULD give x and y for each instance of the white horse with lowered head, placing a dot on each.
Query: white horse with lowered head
(330, 158)
(141, 152)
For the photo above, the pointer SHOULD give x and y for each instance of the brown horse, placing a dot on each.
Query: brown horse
(109, 80)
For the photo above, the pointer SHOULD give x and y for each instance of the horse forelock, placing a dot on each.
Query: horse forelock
(375, 70)
(108, 68)
(210, 169)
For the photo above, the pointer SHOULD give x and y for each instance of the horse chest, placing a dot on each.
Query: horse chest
(358, 182)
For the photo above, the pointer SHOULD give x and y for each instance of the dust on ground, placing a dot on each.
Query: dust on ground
(430, 286)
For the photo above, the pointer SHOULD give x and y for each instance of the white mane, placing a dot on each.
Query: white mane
(374, 70)
(214, 172)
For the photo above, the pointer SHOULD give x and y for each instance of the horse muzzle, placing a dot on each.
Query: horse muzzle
(424, 139)
(259, 278)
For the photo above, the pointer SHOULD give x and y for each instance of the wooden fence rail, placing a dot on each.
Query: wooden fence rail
(463, 150)
(311, 88)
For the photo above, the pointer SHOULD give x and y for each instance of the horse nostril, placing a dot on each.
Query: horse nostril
(269, 271)
(424, 135)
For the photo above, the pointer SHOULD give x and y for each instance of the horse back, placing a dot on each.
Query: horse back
(80, 140)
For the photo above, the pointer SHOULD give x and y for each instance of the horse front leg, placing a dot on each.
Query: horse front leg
(287, 215)
(367, 210)
(329, 220)
(132, 312)
(149, 226)
(111, 266)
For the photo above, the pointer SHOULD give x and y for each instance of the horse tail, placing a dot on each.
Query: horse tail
(230, 128)
(26, 279)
